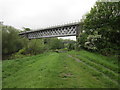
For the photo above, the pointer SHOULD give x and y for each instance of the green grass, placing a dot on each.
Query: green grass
(58, 70)
(0, 74)
(108, 62)
(107, 66)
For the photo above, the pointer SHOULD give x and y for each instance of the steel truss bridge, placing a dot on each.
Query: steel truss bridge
(71, 29)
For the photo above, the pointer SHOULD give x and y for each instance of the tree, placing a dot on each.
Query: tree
(55, 43)
(35, 46)
(26, 29)
(11, 42)
(103, 18)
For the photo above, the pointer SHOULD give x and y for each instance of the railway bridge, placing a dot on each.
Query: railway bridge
(71, 29)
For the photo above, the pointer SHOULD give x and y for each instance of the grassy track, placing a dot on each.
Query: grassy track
(59, 70)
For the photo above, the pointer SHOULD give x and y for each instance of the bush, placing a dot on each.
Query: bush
(54, 43)
(35, 47)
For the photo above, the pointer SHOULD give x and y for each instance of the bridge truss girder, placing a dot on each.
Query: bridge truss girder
(58, 31)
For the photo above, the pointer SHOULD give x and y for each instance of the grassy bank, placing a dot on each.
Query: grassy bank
(60, 70)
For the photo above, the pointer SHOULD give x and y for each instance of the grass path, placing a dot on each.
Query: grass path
(51, 70)
(96, 70)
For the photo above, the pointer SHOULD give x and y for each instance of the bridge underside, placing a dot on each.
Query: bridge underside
(59, 31)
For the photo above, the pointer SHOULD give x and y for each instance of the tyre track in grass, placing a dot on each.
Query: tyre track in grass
(92, 60)
(99, 66)
(80, 61)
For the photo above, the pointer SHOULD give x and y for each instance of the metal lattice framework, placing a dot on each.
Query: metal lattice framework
(58, 31)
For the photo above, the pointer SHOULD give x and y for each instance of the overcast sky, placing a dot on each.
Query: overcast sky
(37, 14)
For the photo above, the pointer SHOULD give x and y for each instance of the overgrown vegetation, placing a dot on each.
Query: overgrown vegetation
(101, 29)
(11, 42)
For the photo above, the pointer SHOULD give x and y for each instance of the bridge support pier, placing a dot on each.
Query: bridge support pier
(79, 27)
